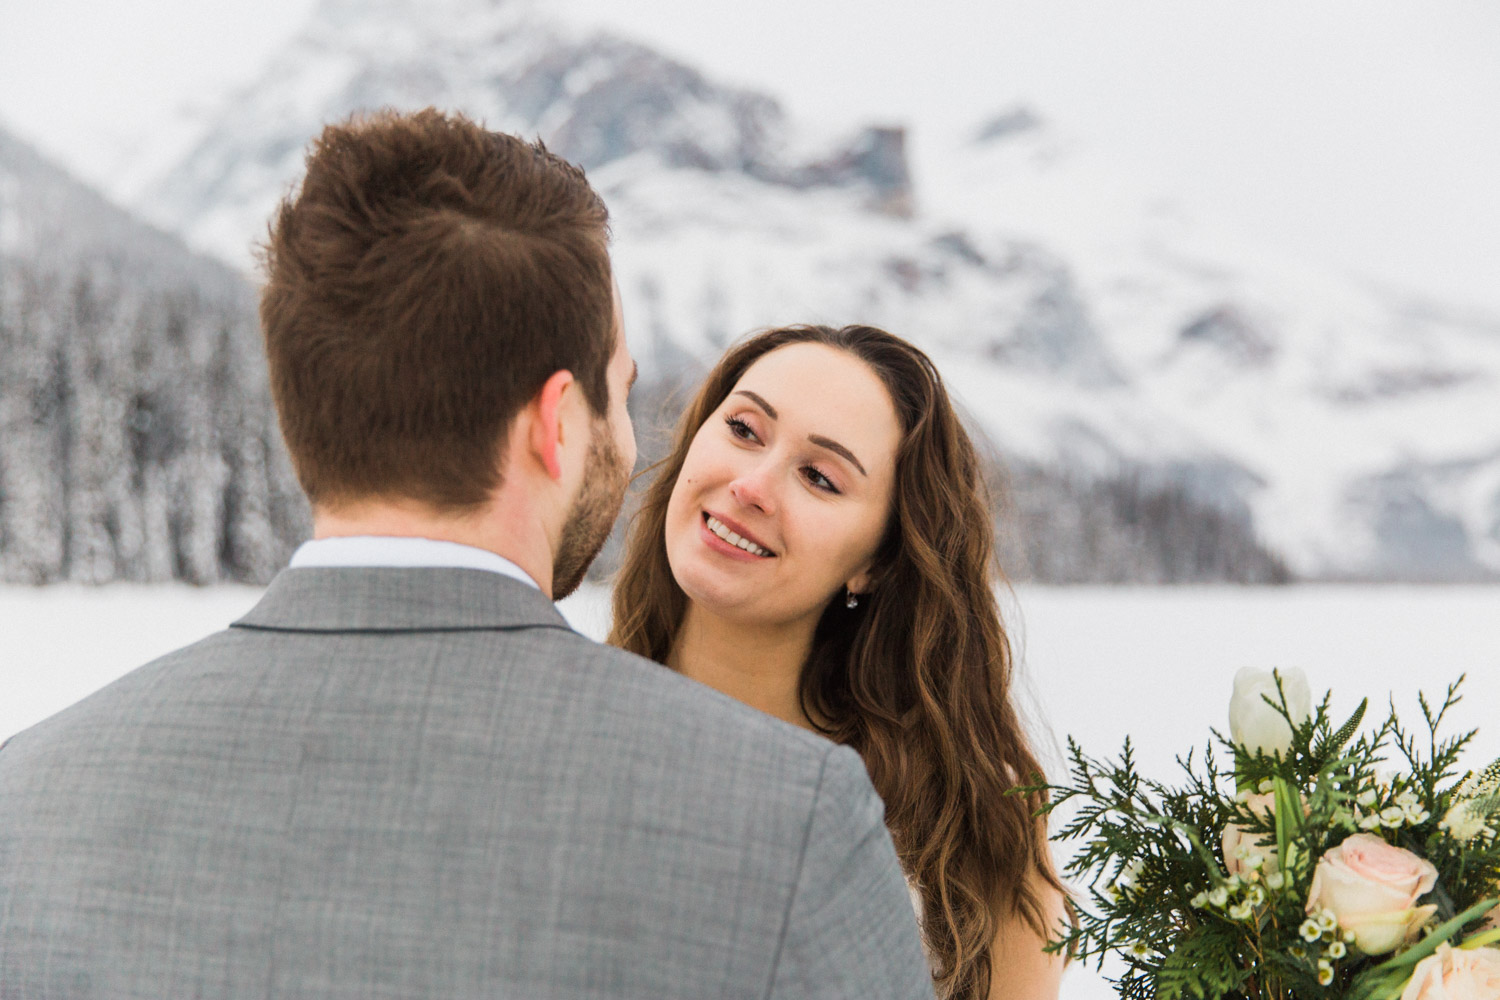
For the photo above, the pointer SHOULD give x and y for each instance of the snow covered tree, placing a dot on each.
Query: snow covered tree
(137, 436)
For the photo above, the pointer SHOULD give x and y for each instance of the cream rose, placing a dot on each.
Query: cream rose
(1239, 845)
(1255, 725)
(1455, 974)
(1372, 889)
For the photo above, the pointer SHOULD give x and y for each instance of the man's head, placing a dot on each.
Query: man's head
(423, 285)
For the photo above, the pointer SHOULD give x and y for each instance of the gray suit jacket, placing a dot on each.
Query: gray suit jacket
(390, 783)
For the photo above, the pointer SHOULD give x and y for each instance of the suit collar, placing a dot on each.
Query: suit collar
(387, 599)
(402, 550)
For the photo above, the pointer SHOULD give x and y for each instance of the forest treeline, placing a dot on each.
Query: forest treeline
(1130, 526)
(138, 442)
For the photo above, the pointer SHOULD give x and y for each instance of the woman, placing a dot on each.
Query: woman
(819, 545)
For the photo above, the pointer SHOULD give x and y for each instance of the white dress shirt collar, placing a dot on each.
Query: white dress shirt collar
(382, 550)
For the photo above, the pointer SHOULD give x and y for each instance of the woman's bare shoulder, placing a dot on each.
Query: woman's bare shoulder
(1020, 968)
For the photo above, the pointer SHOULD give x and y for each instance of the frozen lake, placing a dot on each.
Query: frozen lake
(1097, 663)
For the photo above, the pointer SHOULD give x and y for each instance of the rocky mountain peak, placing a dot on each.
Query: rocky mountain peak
(594, 98)
(876, 158)
(1228, 330)
(1007, 123)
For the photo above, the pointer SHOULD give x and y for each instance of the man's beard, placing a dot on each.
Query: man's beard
(604, 481)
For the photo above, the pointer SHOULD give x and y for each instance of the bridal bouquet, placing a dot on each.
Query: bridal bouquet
(1300, 868)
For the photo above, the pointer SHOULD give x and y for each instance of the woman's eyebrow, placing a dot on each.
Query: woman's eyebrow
(817, 439)
(838, 449)
(758, 401)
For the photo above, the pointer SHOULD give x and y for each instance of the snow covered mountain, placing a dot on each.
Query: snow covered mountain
(1088, 324)
(137, 439)
(596, 99)
(1366, 420)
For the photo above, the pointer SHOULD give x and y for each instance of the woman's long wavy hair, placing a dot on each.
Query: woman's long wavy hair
(917, 678)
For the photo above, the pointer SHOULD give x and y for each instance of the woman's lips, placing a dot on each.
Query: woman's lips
(726, 547)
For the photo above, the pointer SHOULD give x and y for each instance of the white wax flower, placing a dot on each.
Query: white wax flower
(1462, 823)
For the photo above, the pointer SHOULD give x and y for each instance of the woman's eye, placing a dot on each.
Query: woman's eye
(740, 429)
(819, 480)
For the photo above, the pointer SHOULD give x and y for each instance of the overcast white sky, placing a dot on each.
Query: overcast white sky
(1363, 133)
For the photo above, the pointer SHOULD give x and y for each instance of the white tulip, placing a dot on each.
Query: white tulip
(1255, 725)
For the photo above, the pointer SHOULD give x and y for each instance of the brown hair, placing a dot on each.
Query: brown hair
(421, 286)
(917, 678)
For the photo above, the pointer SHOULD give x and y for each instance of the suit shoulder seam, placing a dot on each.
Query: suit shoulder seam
(389, 630)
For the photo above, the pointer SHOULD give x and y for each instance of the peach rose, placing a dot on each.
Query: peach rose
(1372, 889)
(1455, 974)
(1236, 838)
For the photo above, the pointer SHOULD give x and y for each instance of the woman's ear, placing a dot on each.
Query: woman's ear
(862, 582)
(869, 578)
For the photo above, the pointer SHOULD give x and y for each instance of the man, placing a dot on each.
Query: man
(402, 774)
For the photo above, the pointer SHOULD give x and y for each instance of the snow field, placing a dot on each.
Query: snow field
(1095, 663)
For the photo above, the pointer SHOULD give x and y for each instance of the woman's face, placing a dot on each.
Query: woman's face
(786, 489)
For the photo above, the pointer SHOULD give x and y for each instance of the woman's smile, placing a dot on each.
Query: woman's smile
(724, 535)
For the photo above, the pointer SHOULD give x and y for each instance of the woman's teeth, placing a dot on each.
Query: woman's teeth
(718, 528)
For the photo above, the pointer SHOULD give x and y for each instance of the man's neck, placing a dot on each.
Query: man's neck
(506, 536)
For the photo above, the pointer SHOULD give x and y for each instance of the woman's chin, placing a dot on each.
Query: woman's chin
(729, 589)
(709, 579)
(716, 598)
(726, 600)
(750, 610)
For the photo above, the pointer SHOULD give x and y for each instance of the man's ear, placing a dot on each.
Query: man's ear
(547, 433)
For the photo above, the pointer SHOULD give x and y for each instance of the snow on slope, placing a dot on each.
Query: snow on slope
(1367, 420)
(49, 219)
(1083, 317)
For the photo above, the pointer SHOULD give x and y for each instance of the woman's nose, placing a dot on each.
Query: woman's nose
(753, 489)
